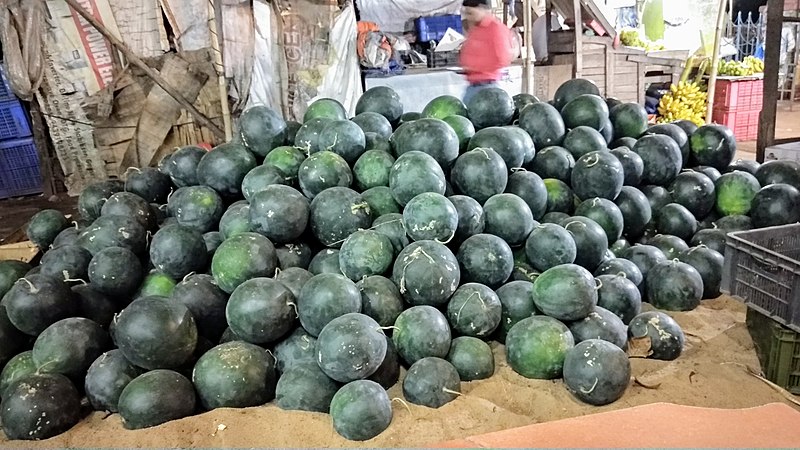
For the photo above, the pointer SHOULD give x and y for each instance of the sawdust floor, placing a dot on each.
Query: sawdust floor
(710, 373)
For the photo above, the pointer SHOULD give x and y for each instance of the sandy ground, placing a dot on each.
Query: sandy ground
(710, 373)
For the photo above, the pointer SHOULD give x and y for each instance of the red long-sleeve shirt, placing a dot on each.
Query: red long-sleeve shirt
(486, 50)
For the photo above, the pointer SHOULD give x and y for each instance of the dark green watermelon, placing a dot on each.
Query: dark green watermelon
(427, 273)
(380, 201)
(508, 217)
(34, 303)
(687, 126)
(323, 170)
(544, 124)
(560, 198)
(259, 178)
(587, 110)
(606, 213)
(713, 145)
(674, 286)
(241, 258)
(471, 219)
(531, 188)
(324, 298)
(695, 191)
(288, 161)
(628, 142)
(206, 301)
(516, 300)
(68, 263)
(414, 173)
(345, 138)
(776, 204)
(107, 377)
(676, 220)
(430, 136)
(521, 101)
(573, 88)
(710, 172)
(597, 174)
(380, 299)
(632, 165)
(779, 171)
(712, 238)
(590, 240)
(365, 253)
(39, 406)
(115, 271)
(480, 173)
(156, 283)
(635, 210)
(550, 245)
(69, 347)
(279, 213)
(474, 310)
(294, 278)
(391, 226)
(372, 122)
(235, 220)
(490, 107)
(597, 372)
(600, 324)
(45, 225)
(307, 137)
(566, 292)
(149, 183)
(361, 410)
(657, 196)
(261, 129)
(20, 366)
(155, 333)
(677, 134)
(182, 165)
(645, 257)
(91, 200)
(296, 349)
(351, 347)
(304, 387)
(224, 168)
(420, 332)
(430, 216)
(472, 358)
(372, 169)
(197, 207)
(156, 397)
(503, 140)
(629, 119)
(553, 162)
(431, 382)
(709, 264)
(382, 100)
(177, 250)
(463, 128)
(670, 245)
(327, 108)
(655, 335)
(582, 140)
(234, 375)
(619, 294)
(745, 165)
(536, 347)
(735, 192)
(336, 213)
(662, 158)
(444, 106)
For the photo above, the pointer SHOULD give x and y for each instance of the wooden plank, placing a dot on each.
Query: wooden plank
(593, 71)
(22, 251)
(600, 17)
(576, 9)
(141, 27)
(188, 19)
(766, 128)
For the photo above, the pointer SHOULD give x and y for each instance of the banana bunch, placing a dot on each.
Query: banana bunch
(630, 37)
(684, 101)
(750, 66)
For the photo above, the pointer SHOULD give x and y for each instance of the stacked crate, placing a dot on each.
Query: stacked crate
(19, 162)
(737, 105)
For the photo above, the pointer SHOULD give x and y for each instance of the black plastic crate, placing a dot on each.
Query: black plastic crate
(433, 28)
(443, 59)
(20, 173)
(762, 267)
(778, 350)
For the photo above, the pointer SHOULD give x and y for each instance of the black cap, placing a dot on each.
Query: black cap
(476, 3)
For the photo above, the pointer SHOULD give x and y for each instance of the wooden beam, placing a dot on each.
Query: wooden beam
(548, 11)
(154, 75)
(788, 19)
(772, 57)
(578, 66)
(712, 79)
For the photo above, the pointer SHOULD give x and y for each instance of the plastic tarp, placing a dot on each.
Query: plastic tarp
(394, 15)
(342, 80)
(265, 88)
(22, 33)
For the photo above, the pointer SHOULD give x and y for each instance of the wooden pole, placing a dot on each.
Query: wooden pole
(527, 86)
(220, 69)
(135, 60)
(772, 62)
(577, 70)
(712, 80)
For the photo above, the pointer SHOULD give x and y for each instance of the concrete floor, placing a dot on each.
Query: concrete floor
(787, 125)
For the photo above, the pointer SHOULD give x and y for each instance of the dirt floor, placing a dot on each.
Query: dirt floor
(711, 373)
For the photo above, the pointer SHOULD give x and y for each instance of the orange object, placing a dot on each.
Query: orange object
(486, 51)
(659, 425)
(205, 145)
(364, 29)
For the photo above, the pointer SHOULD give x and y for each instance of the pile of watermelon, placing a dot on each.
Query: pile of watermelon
(318, 264)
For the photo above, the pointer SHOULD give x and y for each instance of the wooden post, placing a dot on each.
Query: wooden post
(548, 11)
(155, 76)
(772, 61)
(578, 69)
(712, 80)
(220, 69)
(527, 85)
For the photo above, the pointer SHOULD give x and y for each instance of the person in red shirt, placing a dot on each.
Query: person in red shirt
(487, 48)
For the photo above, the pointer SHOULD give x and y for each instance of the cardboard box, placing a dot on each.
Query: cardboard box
(546, 79)
(790, 151)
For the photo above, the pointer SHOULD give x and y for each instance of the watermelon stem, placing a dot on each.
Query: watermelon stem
(33, 289)
(187, 276)
(294, 306)
(518, 169)
(622, 274)
(75, 222)
(388, 328)
(450, 391)
(483, 150)
(596, 380)
(599, 284)
(73, 280)
(403, 402)
(596, 160)
(452, 235)
(271, 354)
(306, 341)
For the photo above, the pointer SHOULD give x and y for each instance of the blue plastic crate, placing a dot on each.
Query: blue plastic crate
(20, 173)
(433, 28)
(13, 121)
(6, 94)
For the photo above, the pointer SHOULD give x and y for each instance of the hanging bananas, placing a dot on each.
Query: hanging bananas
(684, 101)
(748, 67)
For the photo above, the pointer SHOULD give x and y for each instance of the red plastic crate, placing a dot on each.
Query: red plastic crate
(743, 123)
(739, 95)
